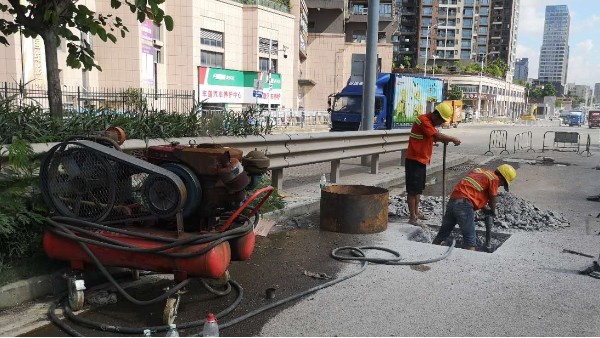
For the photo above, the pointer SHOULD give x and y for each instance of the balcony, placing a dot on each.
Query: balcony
(405, 31)
(267, 3)
(327, 4)
(361, 15)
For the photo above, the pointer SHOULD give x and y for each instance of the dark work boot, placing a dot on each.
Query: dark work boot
(471, 248)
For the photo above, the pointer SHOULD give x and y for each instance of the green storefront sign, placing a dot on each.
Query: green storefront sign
(216, 85)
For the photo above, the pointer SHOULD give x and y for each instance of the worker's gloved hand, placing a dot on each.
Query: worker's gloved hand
(488, 212)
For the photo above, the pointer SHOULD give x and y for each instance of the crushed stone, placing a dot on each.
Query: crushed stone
(512, 213)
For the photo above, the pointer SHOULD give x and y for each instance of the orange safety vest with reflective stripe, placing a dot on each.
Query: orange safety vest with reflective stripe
(420, 141)
(478, 187)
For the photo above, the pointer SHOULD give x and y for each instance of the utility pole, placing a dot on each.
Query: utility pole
(370, 76)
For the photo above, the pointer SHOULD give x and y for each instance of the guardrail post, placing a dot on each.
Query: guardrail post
(374, 163)
(277, 178)
(335, 171)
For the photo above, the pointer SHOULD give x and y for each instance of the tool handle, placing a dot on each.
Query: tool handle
(444, 180)
(489, 221)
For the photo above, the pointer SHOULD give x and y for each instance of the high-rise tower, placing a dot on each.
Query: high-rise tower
(554, 54)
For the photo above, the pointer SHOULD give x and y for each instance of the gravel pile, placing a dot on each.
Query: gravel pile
(512, 212)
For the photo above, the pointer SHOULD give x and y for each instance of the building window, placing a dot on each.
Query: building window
(211, 59)
(385, 10)
(263, 65)
(359, 9)
(359, 36)
(158, 56)
(263, 46)
(211, 38)
(156, 33)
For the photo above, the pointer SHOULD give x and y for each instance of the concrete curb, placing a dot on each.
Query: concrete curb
(26, 290)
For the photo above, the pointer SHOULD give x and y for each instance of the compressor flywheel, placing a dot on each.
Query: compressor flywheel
(78, 183)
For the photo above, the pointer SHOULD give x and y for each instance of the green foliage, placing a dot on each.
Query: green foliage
(536, 92)
(455, 93)
(496, 68)
(275, 201)
(407, 61)
(549, 90)
(472, 68)
(35, 125)
(459, 66)
(520, 82)
(22, 210)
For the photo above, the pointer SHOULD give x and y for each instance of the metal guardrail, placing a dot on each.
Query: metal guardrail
(290, 150)
(498, 140)
(562, 140)
(523, 141)
(587, 150)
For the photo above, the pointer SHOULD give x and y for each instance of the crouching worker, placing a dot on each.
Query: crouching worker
(472, 193)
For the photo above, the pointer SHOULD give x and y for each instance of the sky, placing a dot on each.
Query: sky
(584, 39)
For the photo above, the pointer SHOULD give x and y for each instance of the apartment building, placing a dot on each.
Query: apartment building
(554, 53)
(597, 93)
(583, 91)
(463, 30)
(218, 49)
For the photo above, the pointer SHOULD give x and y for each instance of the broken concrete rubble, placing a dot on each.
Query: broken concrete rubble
(512, 212)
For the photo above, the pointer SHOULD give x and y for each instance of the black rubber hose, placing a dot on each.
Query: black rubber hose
(357, 255)
(197, 239)
(57, 321)
(134, 330)
(117, 245)
(387, 261)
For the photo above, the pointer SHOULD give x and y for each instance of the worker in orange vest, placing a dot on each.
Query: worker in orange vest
(418, 155)
(472, 193)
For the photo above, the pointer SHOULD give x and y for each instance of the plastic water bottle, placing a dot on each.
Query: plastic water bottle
(211, 328)
(172, 331)
(323, 181)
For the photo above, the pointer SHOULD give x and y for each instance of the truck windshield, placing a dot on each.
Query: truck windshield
(348, 104)
(353, 104)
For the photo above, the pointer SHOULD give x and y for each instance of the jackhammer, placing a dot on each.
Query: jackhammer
(489, 221)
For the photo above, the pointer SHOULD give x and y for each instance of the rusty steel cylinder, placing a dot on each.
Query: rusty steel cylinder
(354, 209)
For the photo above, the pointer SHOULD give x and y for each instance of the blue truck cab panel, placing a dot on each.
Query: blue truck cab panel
(576, 118)
(398, 100)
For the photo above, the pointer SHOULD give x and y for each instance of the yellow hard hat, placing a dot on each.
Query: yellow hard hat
(445, 111)
(508, 172)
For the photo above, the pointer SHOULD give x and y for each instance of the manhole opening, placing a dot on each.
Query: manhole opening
(426, 235)
(540, 160)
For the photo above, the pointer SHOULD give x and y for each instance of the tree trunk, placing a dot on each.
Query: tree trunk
(52, 75)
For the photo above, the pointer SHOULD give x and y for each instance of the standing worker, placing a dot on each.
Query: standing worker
(418, 155)
(473, 192)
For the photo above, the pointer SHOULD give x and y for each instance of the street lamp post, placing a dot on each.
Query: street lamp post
(270, 71)
(435, 57)
(429, 27)
(480, 84)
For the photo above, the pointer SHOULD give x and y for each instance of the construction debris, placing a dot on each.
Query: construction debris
(512, 212)
(317, 275)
